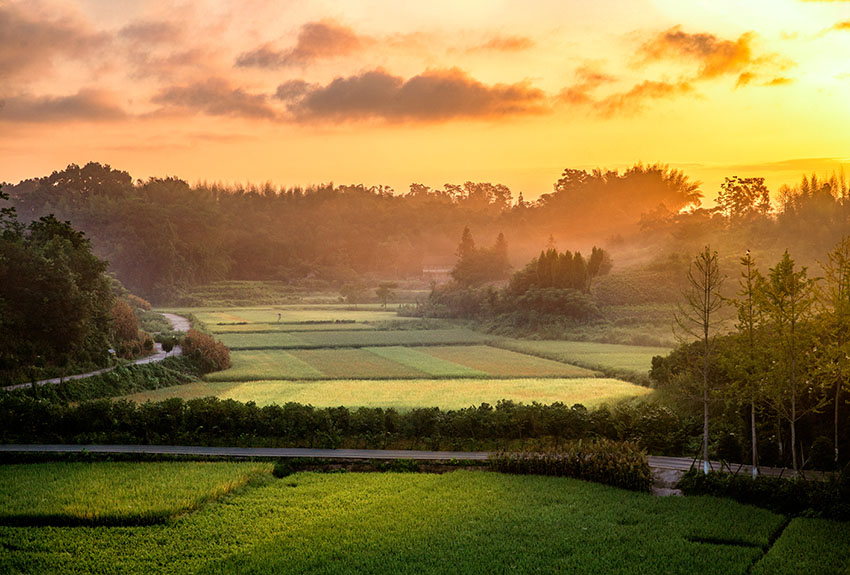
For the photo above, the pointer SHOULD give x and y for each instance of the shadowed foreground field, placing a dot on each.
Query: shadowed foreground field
(462, 522)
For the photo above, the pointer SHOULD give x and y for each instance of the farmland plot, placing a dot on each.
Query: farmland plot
(505, 363)
(603, 355)
(462, 522)
(329, 339)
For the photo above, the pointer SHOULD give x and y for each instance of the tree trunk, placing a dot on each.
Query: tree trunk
(835, 430)
(705, 431)
(755, 446)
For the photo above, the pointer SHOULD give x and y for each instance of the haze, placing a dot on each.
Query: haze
(383, 93)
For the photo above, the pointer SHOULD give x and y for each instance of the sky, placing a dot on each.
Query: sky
(390, 93)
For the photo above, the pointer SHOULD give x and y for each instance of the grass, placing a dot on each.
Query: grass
(633, 358)
(354, 363)
(405, 394)
(114, 493)
(271, 327)
(291, 314)
(265, 364)
(330, 339)
(423, 360)
(505, 363)
(462, 522)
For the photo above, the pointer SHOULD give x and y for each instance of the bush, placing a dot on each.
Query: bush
(621, 464)
(282, 468)
(828, 499)
(209, 354)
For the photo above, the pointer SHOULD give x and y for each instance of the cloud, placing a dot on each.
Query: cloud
(316, 41)
(844, 25)
(151, 32)
(715, 56)
(433, 96)
(85, 105)
(216, 97)
(633, 101)
(587, 80)
(500, 43)
(778, 81)
(32, 41)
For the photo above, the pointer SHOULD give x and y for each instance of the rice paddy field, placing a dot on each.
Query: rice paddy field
(331, 355)
(407, 394)
(460, 522)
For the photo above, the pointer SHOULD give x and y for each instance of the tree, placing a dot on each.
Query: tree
(743, 198)
(748, 322)
(697, 318)
(834, 296)
(786, 300)
(384, 292)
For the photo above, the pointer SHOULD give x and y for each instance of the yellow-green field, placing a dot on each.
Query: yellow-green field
(331, 355)
(406, 394)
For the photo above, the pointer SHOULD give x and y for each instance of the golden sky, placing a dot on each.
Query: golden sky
(390, 93)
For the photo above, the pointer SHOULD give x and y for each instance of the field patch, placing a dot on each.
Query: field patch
(421, 359)
(506, 363)
(406, 394)
(114, 493)
(265, 364)
(288, 327)
(354, 363)
(320, 339)
(462, 522)
(633, 358)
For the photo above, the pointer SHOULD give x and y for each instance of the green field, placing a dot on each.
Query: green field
(328, 314)
(462, 522)
(287, 327)
(405, 394)
(114, 493)
(634, 358)
(390, 362)
(320, 339)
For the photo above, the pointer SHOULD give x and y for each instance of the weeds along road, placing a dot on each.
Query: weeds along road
(178, 323)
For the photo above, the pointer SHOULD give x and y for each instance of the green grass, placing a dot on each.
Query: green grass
(320, 339)
(633, 358)
(462, 522)
(809, 546)
(114, 493)
(423, 360)
(505, 363)
(354, 363)
(405, 394)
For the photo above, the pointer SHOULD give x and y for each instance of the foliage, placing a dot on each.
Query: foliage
(208, 353)
(818, 498)
(612, 463)
(114, 493)
(476, 266)
(54, 298)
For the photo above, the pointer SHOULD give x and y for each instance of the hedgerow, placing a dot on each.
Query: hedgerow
(621, 464)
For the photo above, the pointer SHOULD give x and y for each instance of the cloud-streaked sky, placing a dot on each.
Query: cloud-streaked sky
(390, 93)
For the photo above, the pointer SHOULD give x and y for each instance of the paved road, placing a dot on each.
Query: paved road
(178, 323)
(655, 462)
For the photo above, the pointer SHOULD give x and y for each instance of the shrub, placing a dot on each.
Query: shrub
(210, 354)
(828, 499)
(621, 464)
(282, 468)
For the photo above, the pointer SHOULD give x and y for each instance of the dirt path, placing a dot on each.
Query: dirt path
(178, 323)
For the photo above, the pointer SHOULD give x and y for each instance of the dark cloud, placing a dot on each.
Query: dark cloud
(501, 43)
(715, 56)
(86, 105)
(151, 32)
(316, 41)
(633, 101)
(587, 80)
(32, 41)
(216, 97)
(433, 96)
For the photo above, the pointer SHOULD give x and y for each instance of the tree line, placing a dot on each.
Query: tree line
(777, 382)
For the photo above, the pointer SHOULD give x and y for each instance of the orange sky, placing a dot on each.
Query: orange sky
(389, 93)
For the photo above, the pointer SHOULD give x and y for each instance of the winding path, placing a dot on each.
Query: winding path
(178, 323)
